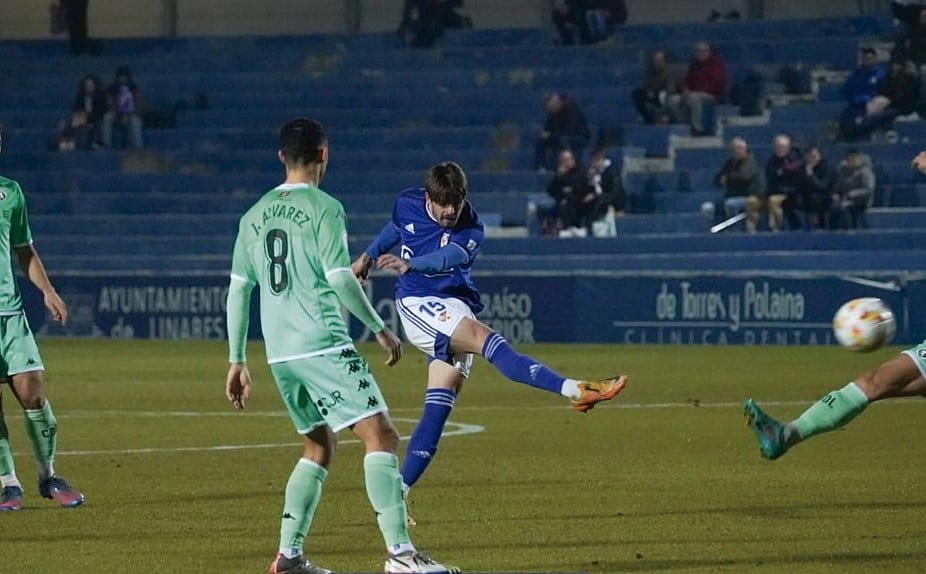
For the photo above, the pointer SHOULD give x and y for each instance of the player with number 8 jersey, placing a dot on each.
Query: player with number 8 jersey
(287, 243)
(292, 245)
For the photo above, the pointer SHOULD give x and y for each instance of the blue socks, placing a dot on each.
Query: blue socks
(520, 368)
(438, 403)
(422, 446)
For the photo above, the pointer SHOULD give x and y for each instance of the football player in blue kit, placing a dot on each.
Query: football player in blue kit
(439, 235)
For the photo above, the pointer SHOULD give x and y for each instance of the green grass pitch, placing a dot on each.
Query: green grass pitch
(665, 479)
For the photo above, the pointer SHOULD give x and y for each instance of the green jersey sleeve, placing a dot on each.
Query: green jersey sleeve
(20, 234)
(242, 268)
(335, 259)
(333, 252)
(238, 304)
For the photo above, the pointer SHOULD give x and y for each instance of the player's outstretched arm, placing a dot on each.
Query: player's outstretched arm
(32, 266)
(388, 238)
(443, 259)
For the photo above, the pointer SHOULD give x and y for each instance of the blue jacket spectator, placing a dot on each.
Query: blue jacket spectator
(868, 110)
(863, 84)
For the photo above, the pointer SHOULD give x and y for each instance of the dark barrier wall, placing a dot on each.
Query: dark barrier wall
(587, 308)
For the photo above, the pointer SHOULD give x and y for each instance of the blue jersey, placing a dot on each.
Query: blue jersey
(419, 234)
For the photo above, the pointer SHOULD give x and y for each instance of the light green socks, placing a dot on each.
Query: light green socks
(384, 488)
(6, 453)
(829, 413)
(303, 491)
(42, 429)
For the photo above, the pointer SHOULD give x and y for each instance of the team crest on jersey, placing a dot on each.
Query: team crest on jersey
(2, 195)
(444, 239)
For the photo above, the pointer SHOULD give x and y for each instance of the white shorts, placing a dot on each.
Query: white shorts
(429, 322)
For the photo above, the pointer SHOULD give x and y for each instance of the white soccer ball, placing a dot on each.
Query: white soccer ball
(864, 324)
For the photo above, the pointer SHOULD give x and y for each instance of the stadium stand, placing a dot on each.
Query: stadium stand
(392, 112)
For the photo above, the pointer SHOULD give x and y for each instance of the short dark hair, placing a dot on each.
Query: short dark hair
(301, 140)
(446, 184)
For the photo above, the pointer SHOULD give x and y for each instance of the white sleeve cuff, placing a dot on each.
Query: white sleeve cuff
(337, 270)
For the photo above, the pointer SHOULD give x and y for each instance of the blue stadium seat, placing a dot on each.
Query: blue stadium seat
(392, 112)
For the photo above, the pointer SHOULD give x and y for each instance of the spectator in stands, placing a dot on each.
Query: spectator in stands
(815, 188)
(569, 188)
(906, 21)
(906, 13)
(782, 178)
(602, 17)
(863, 83)
(587, 21)
(704, 85)
(651, 96)
(899, 93)
(568, 22)
(91, 100)
(565, 128)
(860, 117)
(740, 179)
(604, 178)
(913, 48)
(124, 114)
(853, 191)
(424, 21)
(911, 41)
(74, 133)
(75, 14)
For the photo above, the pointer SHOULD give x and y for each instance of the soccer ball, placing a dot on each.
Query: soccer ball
(864, 324)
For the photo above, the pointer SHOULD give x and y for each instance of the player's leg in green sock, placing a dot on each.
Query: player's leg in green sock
(829, 413)
(303, 491)
(7, 469)
(384, 488)
(42, 429)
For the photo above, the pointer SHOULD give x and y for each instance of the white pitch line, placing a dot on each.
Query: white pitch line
(459, 429)
(474, 408)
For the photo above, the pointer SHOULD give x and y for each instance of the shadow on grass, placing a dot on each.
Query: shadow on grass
(791, 562)
(753, 511)
(789, 510)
